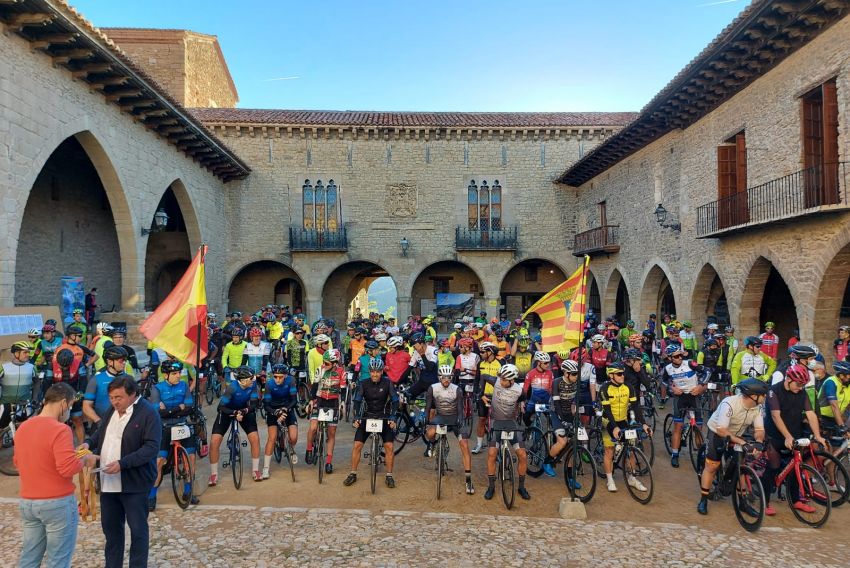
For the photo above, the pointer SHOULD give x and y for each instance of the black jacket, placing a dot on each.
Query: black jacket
(139, 446)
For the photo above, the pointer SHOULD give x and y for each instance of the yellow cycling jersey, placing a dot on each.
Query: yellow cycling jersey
(274, 330)
(490, 368)
(522, 360)
(617, 398)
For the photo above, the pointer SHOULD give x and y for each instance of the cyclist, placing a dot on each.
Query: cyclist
(444, 354)
(239, 402)
(833, 401)
(96, 401)
(537, 389)
(357, 347)
(455, 336)
(751, 362)
(361, 366)
(295, 352)
(564, 406)
(787, 405)
(618, 399)
(715, 358)
(598, 356)
(233, 354)
(397, 360)
(77, 322)
(769, 340)
(376, 398)
(488, 368)
(731, 341)
(521, 354)
(315, 356)
(684, 385)
(444, 405)
(119, 339)
(505, 406)
(424, 357)
(256, 353)
(102, 336)
(274, 331)
(840, 345)
(69, 367)
(16, 376)
(174, 400)
(43, 358)
(279, 400)
(329, 381)
(626, 333)
(733, 416)
(689, 339)
(636, 376)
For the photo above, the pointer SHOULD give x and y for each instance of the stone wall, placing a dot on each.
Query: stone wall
(680, 171)
(208, 82)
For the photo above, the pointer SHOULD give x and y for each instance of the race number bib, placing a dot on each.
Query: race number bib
(442, 429)
(180, 432)
(631, 434)
(582, 434)
(326, 415)
(373, 425)
(507, 435)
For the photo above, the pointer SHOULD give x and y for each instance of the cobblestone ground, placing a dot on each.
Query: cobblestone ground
(265, 536)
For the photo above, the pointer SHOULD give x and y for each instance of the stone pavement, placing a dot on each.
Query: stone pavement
(247, 536)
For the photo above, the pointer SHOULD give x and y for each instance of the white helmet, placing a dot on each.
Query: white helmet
(445, 371)
(458, 325)
(321, 338)
(381, 337)
(597, 337)
(541, 357)
(35, 332)
(569, 366)
(395, 341)
(103, 327)
(509, 371)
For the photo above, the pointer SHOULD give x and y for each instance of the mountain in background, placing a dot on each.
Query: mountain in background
(383, 293)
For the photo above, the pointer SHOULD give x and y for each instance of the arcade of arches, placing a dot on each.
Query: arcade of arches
(346, 289)
(265, 282)
(168, 253)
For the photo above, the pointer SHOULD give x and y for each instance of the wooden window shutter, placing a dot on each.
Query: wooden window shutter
(829, 192)
(741, 204)
(725, 185)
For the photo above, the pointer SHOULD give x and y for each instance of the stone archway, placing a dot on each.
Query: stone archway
(447, 277)
(525, 283)
(92, 239)
(767, 297)
(346, 290)
(708, 300)
(617, 296)
(257, 284)
(594, 298)
(657, 294)
(832, 307)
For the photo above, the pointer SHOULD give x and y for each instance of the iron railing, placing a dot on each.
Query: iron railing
(604, 239)
(301, 239)
(815, 189)
(472, 239)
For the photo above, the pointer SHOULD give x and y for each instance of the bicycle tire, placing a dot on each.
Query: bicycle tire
(277, 450)
(320, 453)
(209, 389)
(440, 466)
(373, 461)
(668, 433)
(842, 477)
(404, 431)
(303, 397)
(642, 471)
(536, 447)
(7, 453)
(287, 447)
(236, 459)
(814, 490)
(754, 495)
(507, 481)
(182, 477)
(583, 471)
(695, 443)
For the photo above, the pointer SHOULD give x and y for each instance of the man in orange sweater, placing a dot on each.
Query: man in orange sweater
(47, 462)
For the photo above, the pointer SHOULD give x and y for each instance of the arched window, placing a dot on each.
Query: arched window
(307, 197)
(472, 207)
(484, 206)
(331, 205)
(496, 206)
(321, 205)
(319, 192)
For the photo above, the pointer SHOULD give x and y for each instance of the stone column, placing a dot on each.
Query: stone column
(403, 308)
(492, 310)
(314, 309)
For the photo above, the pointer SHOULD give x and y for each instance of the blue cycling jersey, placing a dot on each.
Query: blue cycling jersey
(97, 391)
(236, 398)
(281, 395)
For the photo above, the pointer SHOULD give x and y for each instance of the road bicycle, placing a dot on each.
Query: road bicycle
(813, 489)
(506, 432)
(409, 421)
(212, 384)
(468, 408)
(283, 446)
(302, 394)
(692, 437)
(347, 398)
(634, 464)
(375, 443)
(737, 478)
(15, 413)
(832, 470)
(441, 454)
(178, 464)
(325, 417)
(234, 452)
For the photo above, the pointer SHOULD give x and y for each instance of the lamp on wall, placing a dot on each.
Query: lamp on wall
(661, 217)
(160, 222)
(405, 244)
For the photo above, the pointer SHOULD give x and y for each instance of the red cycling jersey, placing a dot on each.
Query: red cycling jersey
(396, 364)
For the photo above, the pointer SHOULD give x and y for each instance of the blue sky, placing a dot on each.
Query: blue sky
(529, 55)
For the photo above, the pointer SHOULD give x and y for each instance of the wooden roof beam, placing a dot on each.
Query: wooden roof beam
(88, 68)
(122, 94)
(45, 41)
(17, 22)
(63, 57)
(104, 82)
(138, 104)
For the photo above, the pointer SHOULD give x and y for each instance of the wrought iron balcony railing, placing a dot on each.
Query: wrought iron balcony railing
(504, 238)
(301, 239)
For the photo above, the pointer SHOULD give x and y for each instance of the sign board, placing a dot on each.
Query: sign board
(15, 322)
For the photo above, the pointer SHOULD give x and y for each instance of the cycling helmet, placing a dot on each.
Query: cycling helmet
(417, 338)
(499, 332)
(509, 371)
(359, 330)
(615, 367)
(630, 323)
(541, 357)
(376, 364)
(518, 321)
(647, 333)
(563, 354)
(321, 338)
(754, 387)
(395, 341)
(569, 366)
(48, 327)
(271, 318)
(119, 330)
(844, 328)
(255, 319)
(34, 332)
(798, 374)
(712, 327)
(103, 328)
(729, 329)
(597, 337)
(114, 352)
(465, 342)
(718, 337)
(21, 346)
(65, 358)
(171, 366)
(842, 367)
(751, 341)
(51, 321)
(710, 342)
(444, 343)
(330, 323)
(769, 324)
(674, 349)
(279, 369)
(237, 331)
(332, 355)
(255, 332)
(243, 373)
(601, 328)
(74, 330)
(802, 351)
(634, 337)
(371, 344)
(445, 371)
(458, 326)
(381, 337)
(77, 311)
(487, 346)
(631, 354)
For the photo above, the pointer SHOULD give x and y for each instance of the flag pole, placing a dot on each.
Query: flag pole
(584, 263)
(196, 396)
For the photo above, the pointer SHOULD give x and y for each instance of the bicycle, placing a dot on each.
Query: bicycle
(813, 488)
(579, 474)
(303, 394)
(832, 470)
(468, 407)
(692, 437)
(539, 439)
(234, 448)
(212, 385)
(178, 464)
(506, 431)
(347, 399)
(17, 414)
(374, 427)
(634, 463)
(283, 446)
(441, 449)
(739, 479)
(409, 421)
(325, 417)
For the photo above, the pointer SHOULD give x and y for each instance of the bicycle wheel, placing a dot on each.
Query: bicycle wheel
(182, 477)
(320, 452)
(836, 476)
(646, 446)
(695, 443)
(814, 493)
(209, 390)
(236, 458)
(668, 433)
(537, 452)
(440, 465)
(638, 474)
(277, 451)
(748, 499)
(650, 414)
(373, 461)
(506, 473)
(468, 416)
(303, 396)
(7, 452)
(404, 431)
(287, 448)
(580, 474)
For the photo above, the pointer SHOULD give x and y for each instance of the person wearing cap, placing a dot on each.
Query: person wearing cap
(689, 339)
(429, 329)
(295, 351)
(841, 343)
(769, 340)
(321, 344)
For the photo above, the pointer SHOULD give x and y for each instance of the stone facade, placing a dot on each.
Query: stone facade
(680, 170)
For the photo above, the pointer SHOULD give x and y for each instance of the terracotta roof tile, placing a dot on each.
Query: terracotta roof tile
(413, 119)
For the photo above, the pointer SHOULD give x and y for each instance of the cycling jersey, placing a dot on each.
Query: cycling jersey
(770, 344)
(45, 350)
(77, 368)
(833, 390)
(563, 397)
(397, 363)
(503, 347)
(329, 383)
(172, 396)
(683, 376)
(97, 392)
(16, 380)
(378, 399)
(358, 348)
(839, 348)
(232, 353)
(538, 387)
(283, 395)
(447, 401)
(735, 417)
(467, 366)
(257, 356)
(315, 358)
(505, 403)
(445, 358)
(99, 345)
(762, 365)
(791, 407)
(274, 330)
(296, 353)
(523, 362)
(616, 400)
(236, 398)
(485, 370)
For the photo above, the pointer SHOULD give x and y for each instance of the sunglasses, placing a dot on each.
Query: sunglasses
(573, 374)
(618, 374)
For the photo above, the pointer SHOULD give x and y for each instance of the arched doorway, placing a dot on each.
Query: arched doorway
(708, 302)
(346, 290)
(382, 297)
(657, 295)
(594, 299)
(767, 298)
(287, 292)
(617, 296)
(259, 284)
(81, 241)
(448, 289)
(832, 307)
(167, 247)
(526, 283)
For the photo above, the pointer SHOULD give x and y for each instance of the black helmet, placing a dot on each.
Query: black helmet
(752, 340)
(631, 354)
(242, 373)
(372, 344)
(710, 342)
(171, 367)
(842, 367)
(646, 333)
(279, 369)
(65, 358)
(114, 352)
(753, 387)
(802, 351)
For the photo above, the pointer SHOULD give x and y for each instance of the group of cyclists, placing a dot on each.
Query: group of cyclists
(482, 377)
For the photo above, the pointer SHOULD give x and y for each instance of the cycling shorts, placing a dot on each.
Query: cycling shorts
(494, 438)
(165, 446)
(453, 426)
(326, 403)
(222, 423)
(290, 420)
(715, 446)
(387, 434)
(686, 402)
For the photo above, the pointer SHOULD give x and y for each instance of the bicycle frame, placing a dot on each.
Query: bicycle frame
(794, 464)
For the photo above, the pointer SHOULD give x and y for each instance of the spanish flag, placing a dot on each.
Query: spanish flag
(178, 325)
(562, 311)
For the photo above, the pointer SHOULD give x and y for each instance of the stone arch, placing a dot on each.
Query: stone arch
(526, 282)
(594, 297)
(446, 276)
(255, 284)
(767, 294)
(708, 299)
(832, 304)
(616, 299)
(658, 294)
(346, 289)
(97, 242)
